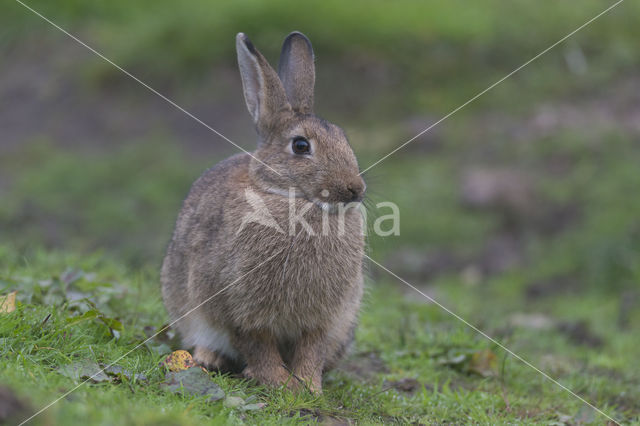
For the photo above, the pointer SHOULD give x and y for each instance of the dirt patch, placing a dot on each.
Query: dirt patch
(364, 366)
(554, 286)
(47, 93)
(580, 333)
(12, 409)
(509, 191)
(424, 266)
(515, 198)
(500, 253)
(408, 385)
(51, 88)
(318, 416)
(616, 107)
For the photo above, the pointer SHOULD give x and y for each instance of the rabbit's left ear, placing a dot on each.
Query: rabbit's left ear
(263, 91)
(297, 71)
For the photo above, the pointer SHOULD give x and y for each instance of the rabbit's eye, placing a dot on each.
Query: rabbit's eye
(301, 146)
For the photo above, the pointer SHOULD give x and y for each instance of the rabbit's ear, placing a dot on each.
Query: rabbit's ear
(297, 71)
(263, 91)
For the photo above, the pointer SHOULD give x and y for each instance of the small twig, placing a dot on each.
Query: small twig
(388, 388)
(45, 320)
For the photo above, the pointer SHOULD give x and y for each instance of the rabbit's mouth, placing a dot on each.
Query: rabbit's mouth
(326, 206)
(334, 207)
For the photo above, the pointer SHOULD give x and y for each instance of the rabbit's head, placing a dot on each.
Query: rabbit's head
(296, 148)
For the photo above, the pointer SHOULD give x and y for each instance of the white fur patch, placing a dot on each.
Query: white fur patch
(201, 333)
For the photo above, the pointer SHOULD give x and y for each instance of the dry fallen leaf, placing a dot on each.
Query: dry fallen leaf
(8, 303)
(178, 361)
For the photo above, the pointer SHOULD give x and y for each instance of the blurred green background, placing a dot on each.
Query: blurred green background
(523, 203)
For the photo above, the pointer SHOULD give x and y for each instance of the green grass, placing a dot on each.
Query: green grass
(584, 272)
(98, 198)
(412, 338)
(94, 223)
(589, 342)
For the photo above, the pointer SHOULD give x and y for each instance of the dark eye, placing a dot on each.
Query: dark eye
(301, 146)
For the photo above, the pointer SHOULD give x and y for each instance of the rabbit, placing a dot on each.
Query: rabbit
(286, 293)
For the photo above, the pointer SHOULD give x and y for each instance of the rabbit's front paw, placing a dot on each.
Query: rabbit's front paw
(274, 376)
(314, 384)
(311, 379)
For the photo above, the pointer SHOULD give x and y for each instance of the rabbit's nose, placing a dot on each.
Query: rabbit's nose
(356, 188)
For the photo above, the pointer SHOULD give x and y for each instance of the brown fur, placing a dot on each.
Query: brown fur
(293, 317)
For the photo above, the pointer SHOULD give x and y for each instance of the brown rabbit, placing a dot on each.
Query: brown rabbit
(286, 292)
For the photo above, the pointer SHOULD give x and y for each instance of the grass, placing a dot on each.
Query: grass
(412, 361)
(427, 350)
(84, 230)
(101, 193)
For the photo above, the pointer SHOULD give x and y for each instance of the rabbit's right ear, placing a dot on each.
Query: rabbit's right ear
(263, 91)
(297, 71)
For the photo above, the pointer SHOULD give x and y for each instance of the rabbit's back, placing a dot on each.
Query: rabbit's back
(198, 225)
